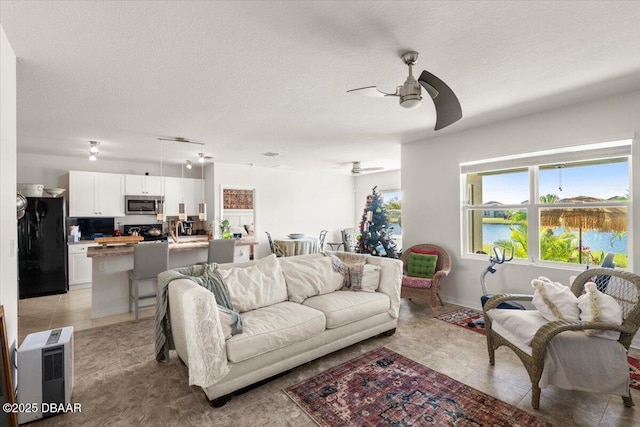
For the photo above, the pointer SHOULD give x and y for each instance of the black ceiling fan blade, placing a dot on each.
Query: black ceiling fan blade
(448, 110)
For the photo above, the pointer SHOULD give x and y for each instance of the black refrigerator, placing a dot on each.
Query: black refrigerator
(42, 248)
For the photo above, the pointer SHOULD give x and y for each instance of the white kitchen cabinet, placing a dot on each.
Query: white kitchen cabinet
(95, 194)
(143, 185)
(80, 265)
(179, 189)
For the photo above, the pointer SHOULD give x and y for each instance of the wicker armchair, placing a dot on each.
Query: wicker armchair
(623, 286)
(425, 289)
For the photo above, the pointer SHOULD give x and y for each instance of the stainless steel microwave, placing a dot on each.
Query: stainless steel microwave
(141, 205)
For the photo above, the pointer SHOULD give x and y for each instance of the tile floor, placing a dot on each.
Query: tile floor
(119, 383)
(70, 309)
(110, 378)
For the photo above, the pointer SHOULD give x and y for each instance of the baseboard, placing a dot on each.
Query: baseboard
(80, 286)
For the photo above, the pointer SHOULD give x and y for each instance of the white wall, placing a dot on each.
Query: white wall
(8, 221)
(291, 201)
(431, 188)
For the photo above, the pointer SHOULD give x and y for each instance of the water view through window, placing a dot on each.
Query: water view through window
(580, 209)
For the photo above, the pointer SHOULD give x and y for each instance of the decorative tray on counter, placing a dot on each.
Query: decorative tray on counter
(119, 240)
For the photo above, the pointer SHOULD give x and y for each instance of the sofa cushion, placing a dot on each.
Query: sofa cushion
(306, 277)
(259, 285)
(344, 307)
(273, 327)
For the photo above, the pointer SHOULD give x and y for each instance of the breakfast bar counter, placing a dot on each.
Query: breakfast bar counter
(110, 284)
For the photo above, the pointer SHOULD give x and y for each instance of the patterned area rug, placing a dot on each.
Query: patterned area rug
(465, 316)
(383, 388)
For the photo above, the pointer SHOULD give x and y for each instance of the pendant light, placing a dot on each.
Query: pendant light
(160, 209)
(202, 207)
(93, 150)
(182, 214)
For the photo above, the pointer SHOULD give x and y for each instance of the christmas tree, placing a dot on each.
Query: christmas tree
(375, 237)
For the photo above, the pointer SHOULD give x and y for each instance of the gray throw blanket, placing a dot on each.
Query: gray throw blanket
(205, 275)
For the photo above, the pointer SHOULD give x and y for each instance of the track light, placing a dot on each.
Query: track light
(189, 164)
(93, 150)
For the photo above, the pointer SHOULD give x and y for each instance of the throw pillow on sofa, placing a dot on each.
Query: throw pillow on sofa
(422, 265)
(259, 285)
(370, 278)
(596, 306)
(307, 277)
(354, 269)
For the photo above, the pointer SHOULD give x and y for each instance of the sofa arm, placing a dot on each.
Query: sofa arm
(200, 332)
(390, 281)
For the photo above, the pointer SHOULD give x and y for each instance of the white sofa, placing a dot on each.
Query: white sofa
(293, 311)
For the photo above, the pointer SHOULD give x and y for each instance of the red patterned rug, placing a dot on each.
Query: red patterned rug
(383, 388)
(465, 316)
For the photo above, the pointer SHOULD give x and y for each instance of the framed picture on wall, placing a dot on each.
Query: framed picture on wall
(237, 199)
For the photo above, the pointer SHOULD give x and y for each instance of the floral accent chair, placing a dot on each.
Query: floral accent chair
(424, 266)
(350, 239)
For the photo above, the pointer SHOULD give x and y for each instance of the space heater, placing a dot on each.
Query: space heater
(45, 372)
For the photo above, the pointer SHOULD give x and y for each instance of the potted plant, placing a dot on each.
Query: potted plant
(225, 229)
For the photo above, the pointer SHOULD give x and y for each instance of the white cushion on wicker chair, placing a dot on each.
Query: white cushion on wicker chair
(593, 360)
(520, 325)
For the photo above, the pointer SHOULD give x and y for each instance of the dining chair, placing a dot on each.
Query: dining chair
(323, 234)
(272, 246)
(149, 260)
(221, 251)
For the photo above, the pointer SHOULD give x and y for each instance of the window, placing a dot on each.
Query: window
(392, 200)
(568, 206)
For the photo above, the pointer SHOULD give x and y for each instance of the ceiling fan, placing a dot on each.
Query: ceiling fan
(356, 169)
(203, 157)
(448, 109)
(179, 139)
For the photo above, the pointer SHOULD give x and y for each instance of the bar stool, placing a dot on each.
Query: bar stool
(221, 251)
(149, 260)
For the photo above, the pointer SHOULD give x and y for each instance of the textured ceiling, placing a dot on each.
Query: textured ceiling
(249, 77)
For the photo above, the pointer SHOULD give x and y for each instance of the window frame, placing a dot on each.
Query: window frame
(396, 238)
(533, 162)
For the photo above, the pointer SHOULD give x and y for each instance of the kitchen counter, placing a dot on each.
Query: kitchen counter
(184, 244)
(110, 284)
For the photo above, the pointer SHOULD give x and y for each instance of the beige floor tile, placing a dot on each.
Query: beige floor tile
(116, 366)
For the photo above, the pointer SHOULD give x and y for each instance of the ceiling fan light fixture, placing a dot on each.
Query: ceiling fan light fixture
(410, 93)
(93, 147)
(411, 102)
(93, 150)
